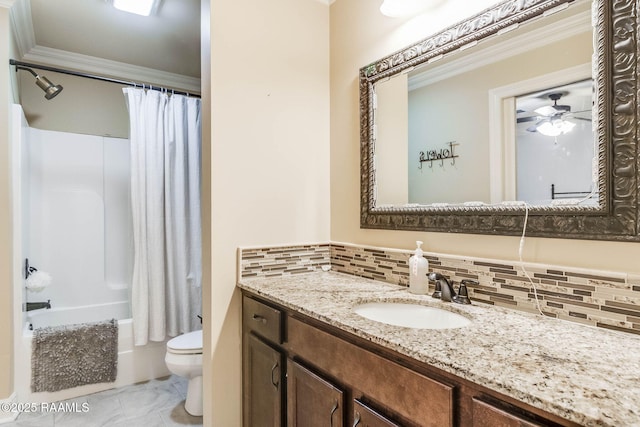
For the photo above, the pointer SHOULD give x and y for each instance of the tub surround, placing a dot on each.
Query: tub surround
(577, 369)
(597, 298)
(567, 369)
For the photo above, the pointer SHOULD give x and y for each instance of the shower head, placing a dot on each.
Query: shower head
(50, 89)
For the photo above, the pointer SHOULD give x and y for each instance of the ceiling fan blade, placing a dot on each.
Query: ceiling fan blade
(527, 119)
(547, 110)
(533, 128)
(573, 116)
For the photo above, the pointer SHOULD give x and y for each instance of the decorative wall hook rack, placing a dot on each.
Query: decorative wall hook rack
(441, 155)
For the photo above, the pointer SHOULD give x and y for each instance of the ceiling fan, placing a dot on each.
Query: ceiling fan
(551, 119)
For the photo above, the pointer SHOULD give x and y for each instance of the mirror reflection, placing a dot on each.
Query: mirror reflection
(491, 123)
(555, 146)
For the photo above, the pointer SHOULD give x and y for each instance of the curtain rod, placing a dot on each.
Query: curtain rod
(96, 77)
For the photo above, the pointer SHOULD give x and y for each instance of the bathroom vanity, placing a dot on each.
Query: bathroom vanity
(309, 359)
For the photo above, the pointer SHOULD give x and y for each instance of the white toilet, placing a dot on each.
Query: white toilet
(184, 358)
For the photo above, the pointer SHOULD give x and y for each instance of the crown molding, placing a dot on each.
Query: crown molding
(108, 68)
(22, 24)
(24, 35)
(573, 25)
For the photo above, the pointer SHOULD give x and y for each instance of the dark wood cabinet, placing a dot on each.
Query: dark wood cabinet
(311, 400)
(263, 366)
(262, 319)
(364, 416)
(411, 396)
(263, 386)
(301, 372)
(487, 415)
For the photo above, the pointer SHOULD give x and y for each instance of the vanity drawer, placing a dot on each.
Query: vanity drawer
(412, 396)
(488, 415)
(264, 320)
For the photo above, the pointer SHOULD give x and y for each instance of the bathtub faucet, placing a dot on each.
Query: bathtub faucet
(38, 305)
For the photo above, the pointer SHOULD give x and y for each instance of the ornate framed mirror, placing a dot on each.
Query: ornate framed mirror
(483, 168)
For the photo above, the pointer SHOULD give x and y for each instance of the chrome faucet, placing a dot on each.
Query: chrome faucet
(38, 305)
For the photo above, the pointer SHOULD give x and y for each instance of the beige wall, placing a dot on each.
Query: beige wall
(205, 209)
(268, 159)
(6, 236)
(360, 35)
(84, 106)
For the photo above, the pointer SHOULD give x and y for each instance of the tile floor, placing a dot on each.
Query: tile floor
(159, 402)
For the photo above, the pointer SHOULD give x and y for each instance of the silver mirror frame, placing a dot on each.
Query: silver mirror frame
(616, 217)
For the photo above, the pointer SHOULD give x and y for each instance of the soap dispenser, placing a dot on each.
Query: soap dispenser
(418, 270)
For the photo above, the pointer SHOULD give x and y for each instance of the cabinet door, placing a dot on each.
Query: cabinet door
(262, 384)
(311, 400)
(487, 415)
(363, 416)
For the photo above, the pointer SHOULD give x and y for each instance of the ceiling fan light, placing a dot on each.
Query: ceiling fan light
(139, 7)
(555, 127)
(548, 129)
(566, 126)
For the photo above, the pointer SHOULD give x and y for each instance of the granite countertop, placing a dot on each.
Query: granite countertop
(587, 375)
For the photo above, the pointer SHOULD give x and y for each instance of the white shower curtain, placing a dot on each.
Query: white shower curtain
(165, 194)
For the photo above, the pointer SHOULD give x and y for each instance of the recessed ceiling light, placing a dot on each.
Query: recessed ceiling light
(139, 7)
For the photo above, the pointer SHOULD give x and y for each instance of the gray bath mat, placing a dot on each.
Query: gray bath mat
(74, 355)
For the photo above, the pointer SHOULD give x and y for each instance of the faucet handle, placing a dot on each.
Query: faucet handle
(466, 282)
(463, 293)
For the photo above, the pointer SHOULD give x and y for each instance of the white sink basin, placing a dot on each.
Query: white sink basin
(411, 315)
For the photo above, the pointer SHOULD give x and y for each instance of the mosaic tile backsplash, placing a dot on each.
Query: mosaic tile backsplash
(603, 299)
(283, 260)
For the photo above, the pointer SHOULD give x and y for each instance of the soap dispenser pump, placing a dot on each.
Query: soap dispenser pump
(418, 270)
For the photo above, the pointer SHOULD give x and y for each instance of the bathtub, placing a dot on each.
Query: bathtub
(135, 364)
(68, 316)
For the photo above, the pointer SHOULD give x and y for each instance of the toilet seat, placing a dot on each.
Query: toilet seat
(189, 343)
